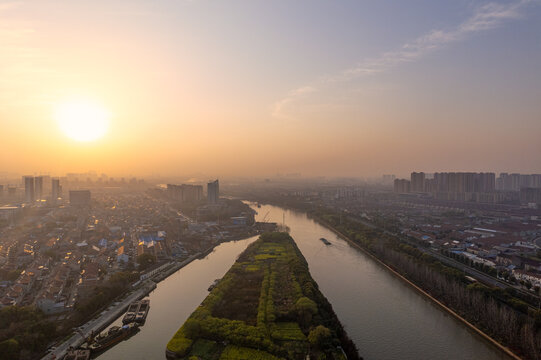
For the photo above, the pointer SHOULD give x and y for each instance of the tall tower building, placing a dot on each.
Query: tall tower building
(29, 196)
(417, 181)
(213, 192)
(55, 189)
(38, 187)
(515, 182)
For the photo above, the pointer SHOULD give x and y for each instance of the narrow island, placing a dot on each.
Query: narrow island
(267, 306)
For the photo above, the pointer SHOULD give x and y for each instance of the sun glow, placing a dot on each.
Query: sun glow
(82, 120)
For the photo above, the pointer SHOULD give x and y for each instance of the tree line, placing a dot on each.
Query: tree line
(499, 313)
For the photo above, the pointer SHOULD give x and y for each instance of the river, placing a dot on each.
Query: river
(386, 318)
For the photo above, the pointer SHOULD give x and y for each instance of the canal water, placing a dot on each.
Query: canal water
(386, 318)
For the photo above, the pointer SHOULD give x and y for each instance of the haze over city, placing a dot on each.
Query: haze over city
(270, 180)
(257, 87)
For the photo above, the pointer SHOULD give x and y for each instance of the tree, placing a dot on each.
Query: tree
(319, 336)
(9, 349)
(192, 328)
(145, 261)
(305, 308)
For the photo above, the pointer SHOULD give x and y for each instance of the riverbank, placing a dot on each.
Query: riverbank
(471, 326)
(96, 325)
(114, 311)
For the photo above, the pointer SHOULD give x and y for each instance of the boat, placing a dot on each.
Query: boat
(77, 354)
(213, 284)
(142, 312)
(114, 335)
(131, 312)
(325, 241)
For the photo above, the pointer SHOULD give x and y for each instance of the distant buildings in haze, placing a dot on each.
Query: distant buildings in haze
(515, 182)
(38, 187)
(29, 195)
(417, 182)
(34, 189)
(402, 186)
(56, 189)
(185, 192)
(473, 187)
(194, 193)
(79, 197)
(213, 192)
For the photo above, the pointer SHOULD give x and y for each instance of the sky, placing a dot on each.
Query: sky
(258, 87)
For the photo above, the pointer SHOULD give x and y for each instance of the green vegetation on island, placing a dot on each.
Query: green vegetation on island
(266, 307)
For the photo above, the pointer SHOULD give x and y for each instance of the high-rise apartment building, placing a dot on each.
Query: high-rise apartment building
(402, 186)
(29, 195)
(38, 187)
(55, 189)
(461, 182)
(191, 193)
(185, 192)
(486, 183)
(453, 186)
(213, 192)
(530, 195)
(515, 182)
(417, 181)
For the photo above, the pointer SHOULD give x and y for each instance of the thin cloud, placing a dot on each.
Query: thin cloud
(293, 94)
(486, 17)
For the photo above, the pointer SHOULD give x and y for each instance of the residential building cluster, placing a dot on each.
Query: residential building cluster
(474, 187)
(53, 253)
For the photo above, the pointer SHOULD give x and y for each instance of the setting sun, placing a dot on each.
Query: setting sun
(82, 120)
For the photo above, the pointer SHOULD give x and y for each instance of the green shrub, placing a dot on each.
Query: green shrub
(180, 344)
(232, 352)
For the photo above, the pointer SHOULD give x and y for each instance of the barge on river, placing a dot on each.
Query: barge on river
(325, 241)
(137, 312)
(114, 335)
(131, 313)
(142, 312)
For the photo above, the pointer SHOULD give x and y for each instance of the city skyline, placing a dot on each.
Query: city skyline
(254, 179)
(221, 89)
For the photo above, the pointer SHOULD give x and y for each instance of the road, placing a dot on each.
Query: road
(98, 324)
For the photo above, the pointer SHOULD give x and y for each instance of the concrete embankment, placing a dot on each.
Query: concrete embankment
(106, 317)
(96, 325)
(417, 288)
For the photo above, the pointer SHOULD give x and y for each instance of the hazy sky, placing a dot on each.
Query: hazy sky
(260, 87)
